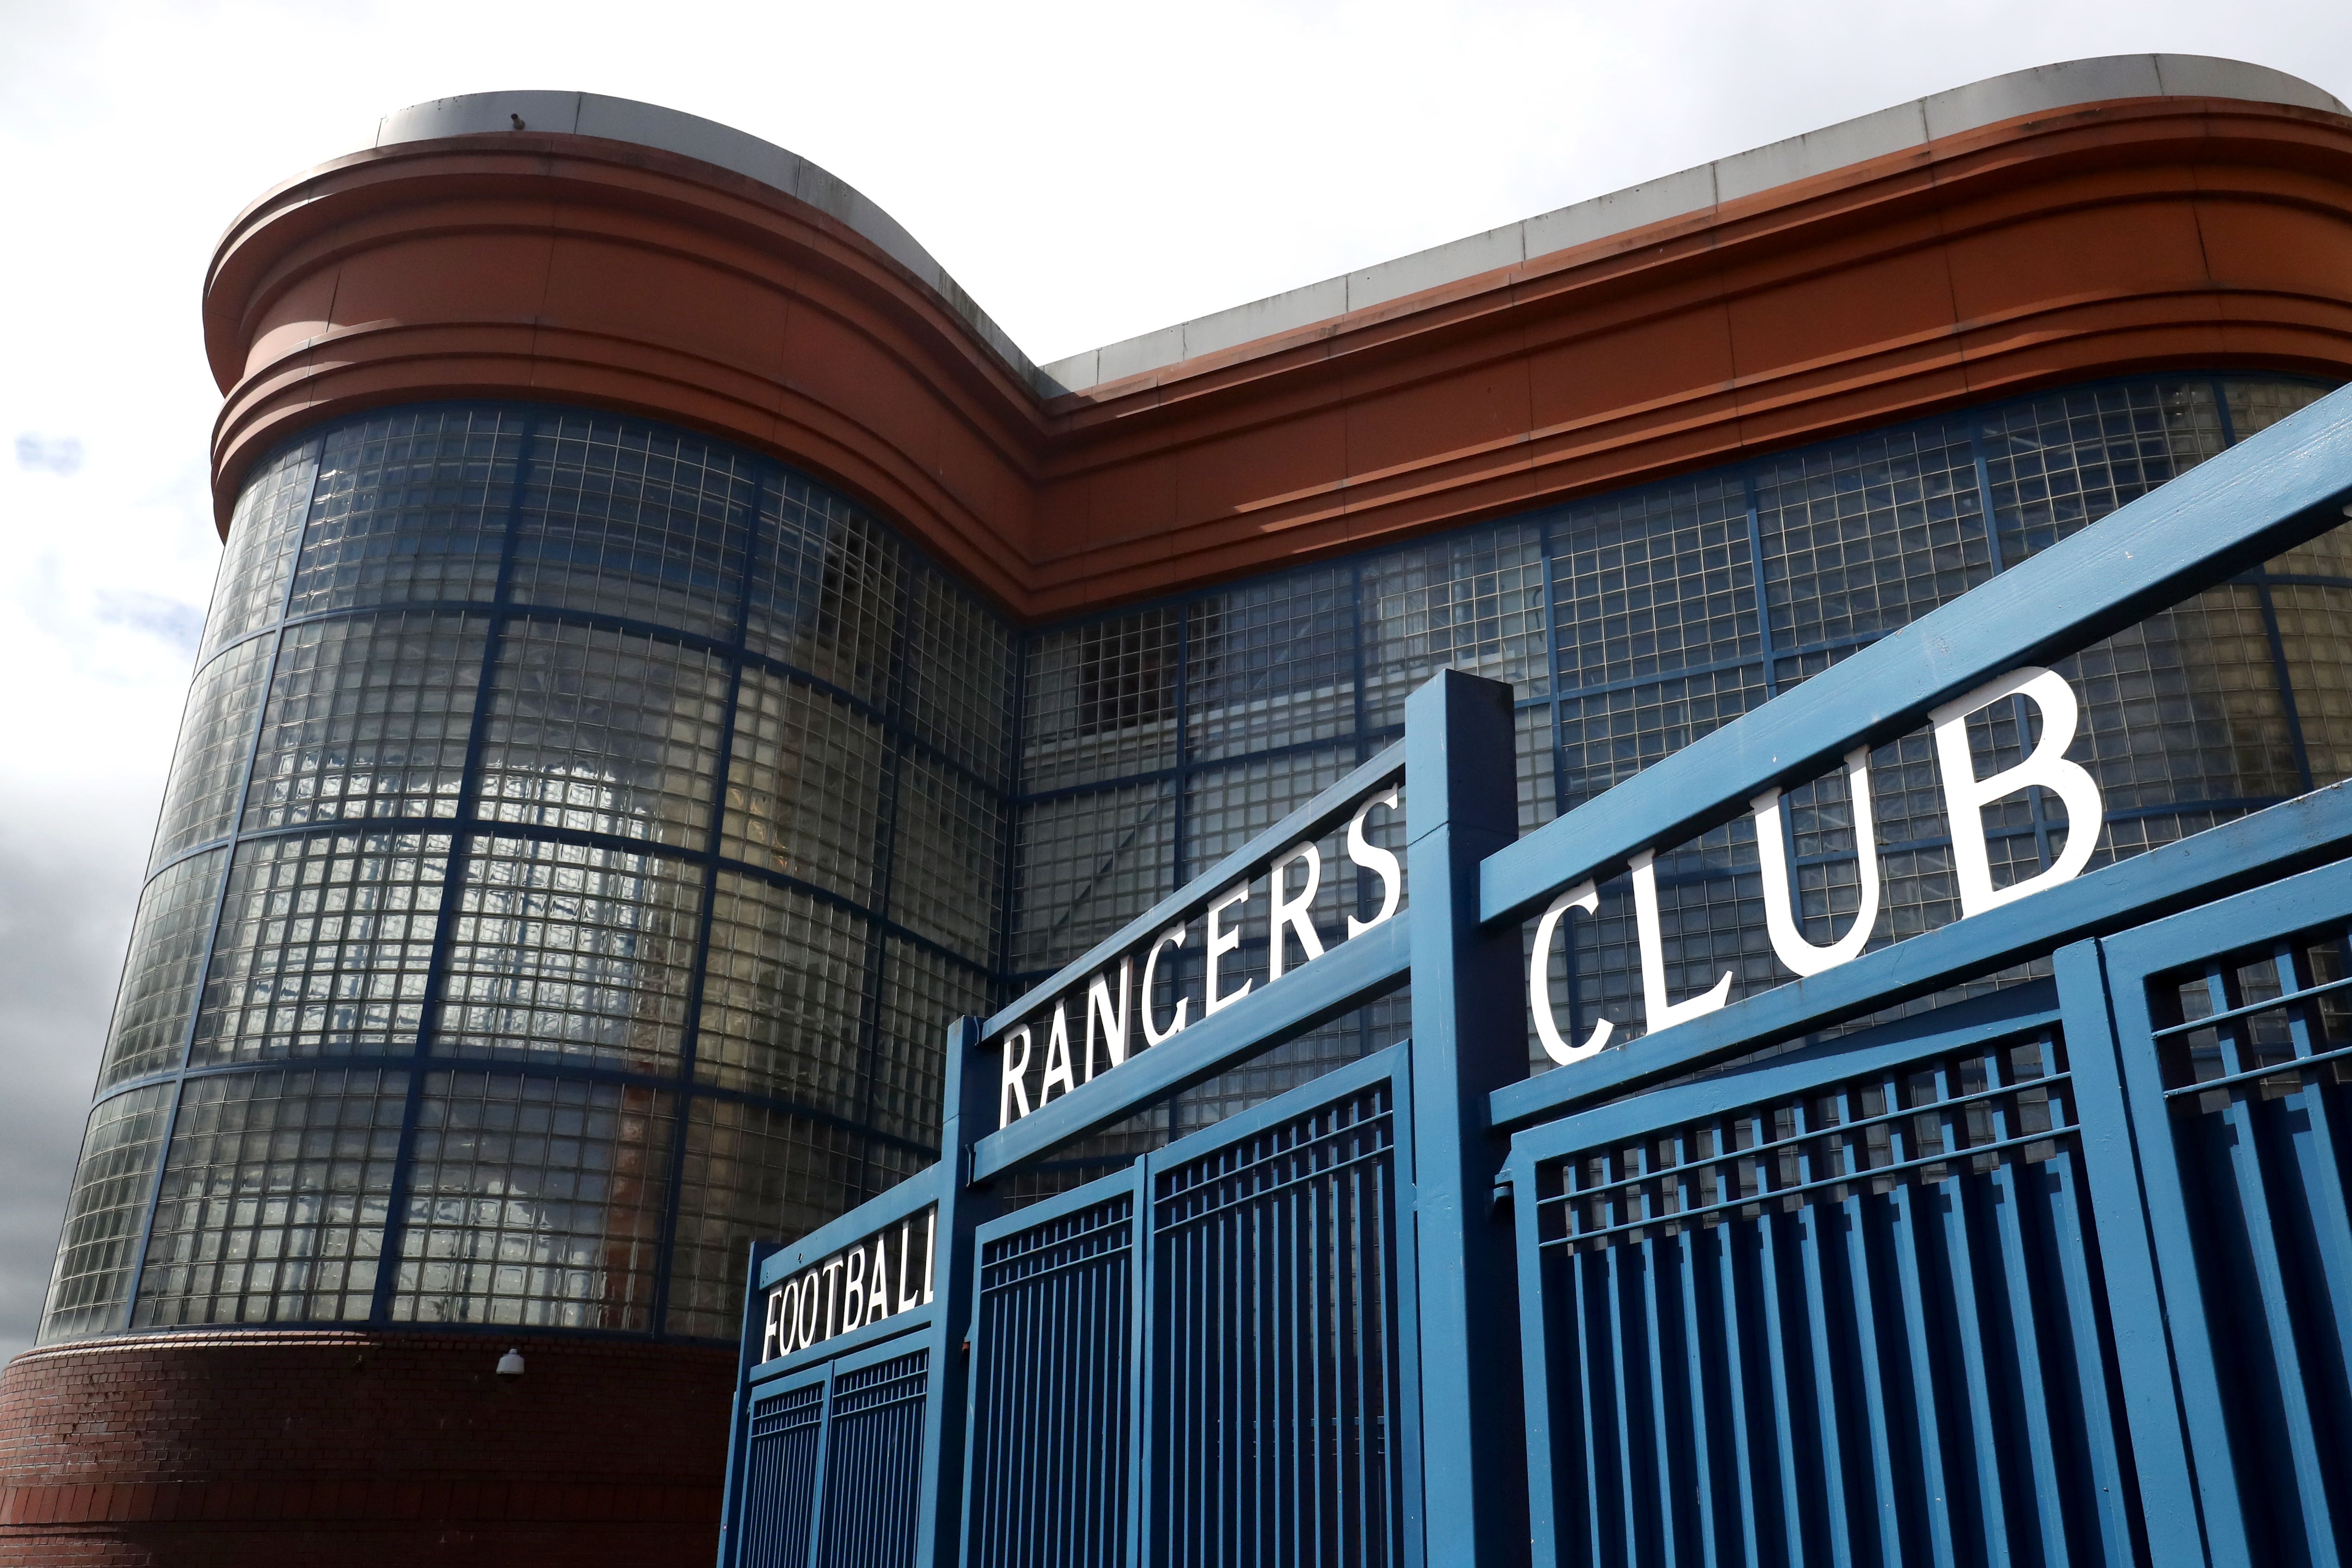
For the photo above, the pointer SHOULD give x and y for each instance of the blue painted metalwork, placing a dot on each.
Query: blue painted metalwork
(2058, 1273)
(2229, 1036)
(1469, 1039)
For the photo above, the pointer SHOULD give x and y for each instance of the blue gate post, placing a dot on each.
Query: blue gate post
(967, 1114)
(1469, 1038)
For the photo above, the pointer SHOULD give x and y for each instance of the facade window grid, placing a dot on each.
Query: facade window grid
(1325, 633)
(900, 730)
(598, 841)
(618, 1077)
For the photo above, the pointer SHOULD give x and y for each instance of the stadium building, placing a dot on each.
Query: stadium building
(672, 653)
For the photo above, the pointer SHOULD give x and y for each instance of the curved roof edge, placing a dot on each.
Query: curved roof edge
(674, 130)
(2037, 91)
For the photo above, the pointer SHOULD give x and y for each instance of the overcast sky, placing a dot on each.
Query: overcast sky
(1087, 171)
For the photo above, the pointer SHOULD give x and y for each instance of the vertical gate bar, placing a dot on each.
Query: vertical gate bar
(1277, 1341)
(1776, 1349)
(2139, 1212)
(2025, 1330)
(1147, 1454)
(2072, 1245)
(1309, 1342)
(1621, 1361)
(2270, 1275)
(1351, 1374)
(1661, 1423)
(1582, 1265)
(1535, 1360)
(967, 1111)
(1087, 1445)
(1221, 1417)
(1250, 1477)
(1173, 1461)
(1469, 1033)
(1057, 1512)
(1206, 1383)
(1856, 1213)
(1397, 1324)
(1734, 1346)
(1813, 1223)
(983, 1485)
(1019, 1522)
(1325, 1352)
(1959, 1273)
(1907, 1237)
(1316, 1247)
(817, 1475)
(1109, 1419)
(1702, 1417)
(1079, 1458)
(1297, 1355)
(2318, 1151)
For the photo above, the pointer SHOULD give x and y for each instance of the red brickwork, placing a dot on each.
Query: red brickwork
(360, 1448)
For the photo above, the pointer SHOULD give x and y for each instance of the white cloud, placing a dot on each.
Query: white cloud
(1088, 172)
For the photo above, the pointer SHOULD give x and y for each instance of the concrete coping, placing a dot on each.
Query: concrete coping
(2038, 90)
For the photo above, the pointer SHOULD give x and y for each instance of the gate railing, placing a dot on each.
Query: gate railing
(1855, 1301)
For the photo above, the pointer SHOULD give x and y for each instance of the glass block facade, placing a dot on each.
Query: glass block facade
(580, 834)
(581, 831)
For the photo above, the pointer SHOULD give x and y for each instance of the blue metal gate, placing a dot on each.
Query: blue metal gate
(2231, 1036)
(1225, 1382)
(2058, 1274)
(1841, 1309)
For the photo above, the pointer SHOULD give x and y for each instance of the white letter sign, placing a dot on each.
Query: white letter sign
(1293, 857)
(1586, 897)
(1789, 943)
(1966, 795)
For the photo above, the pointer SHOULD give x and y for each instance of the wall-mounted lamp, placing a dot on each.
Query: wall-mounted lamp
(511, 1364)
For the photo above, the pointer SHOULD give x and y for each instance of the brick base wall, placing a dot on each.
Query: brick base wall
(362, 1447)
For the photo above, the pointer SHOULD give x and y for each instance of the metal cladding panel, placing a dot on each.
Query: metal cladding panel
(1052, 1403)
(1277, 1420)
(1847, 1313)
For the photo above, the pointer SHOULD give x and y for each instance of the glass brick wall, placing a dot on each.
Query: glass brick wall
(583, 831)
(580, 834)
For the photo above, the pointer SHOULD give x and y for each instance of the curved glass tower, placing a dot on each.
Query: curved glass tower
(578, 834)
